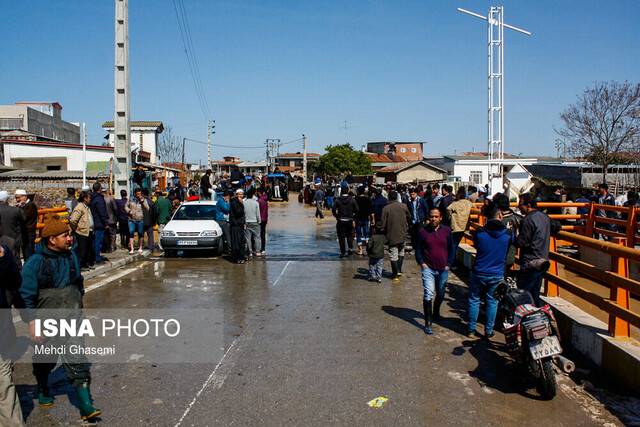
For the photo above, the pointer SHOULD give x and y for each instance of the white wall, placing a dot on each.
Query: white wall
(149, 142)
(73, 155)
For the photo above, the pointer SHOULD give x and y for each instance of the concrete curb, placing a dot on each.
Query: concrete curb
(115, 263)
(618, 356)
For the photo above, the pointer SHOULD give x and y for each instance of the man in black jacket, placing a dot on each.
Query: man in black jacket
(533, 241)
(13, 223)
(345, 210)
(139, 176)
(205, 185)
(100, 220)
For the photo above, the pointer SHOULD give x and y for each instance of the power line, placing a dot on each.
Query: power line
(235, 146)
(185, 34)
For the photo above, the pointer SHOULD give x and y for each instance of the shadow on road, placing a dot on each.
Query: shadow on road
(407, 314)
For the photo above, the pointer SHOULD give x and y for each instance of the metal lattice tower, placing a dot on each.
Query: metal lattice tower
(122, 119)
(495, 128)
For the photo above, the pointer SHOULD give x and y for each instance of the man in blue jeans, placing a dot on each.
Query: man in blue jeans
(435, 254)
(492, 243)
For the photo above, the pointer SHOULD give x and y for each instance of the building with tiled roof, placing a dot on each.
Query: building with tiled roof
(145, 138)
(412, 172)
(379, 161)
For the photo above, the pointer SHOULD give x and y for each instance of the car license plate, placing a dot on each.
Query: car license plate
(187, 242)
(548, 346)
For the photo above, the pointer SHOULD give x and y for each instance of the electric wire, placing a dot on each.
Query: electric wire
(185, 34)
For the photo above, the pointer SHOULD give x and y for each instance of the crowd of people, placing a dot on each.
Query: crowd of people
(431, 221)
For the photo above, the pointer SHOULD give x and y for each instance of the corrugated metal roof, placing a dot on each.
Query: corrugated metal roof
(397, 167)
(300, 155)
(137, 124)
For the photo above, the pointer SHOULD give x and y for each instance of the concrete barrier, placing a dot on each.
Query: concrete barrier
(618, 356)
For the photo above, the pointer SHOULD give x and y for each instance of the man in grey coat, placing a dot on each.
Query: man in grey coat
(252, 221)
(395, 223)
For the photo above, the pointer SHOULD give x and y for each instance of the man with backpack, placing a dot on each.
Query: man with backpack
(491, 242)
(51, 279)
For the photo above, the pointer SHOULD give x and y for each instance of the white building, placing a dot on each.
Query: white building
(145, 139)
(38, 155)
(473, 168)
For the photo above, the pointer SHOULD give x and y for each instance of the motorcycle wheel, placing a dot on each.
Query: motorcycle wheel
(547, 386)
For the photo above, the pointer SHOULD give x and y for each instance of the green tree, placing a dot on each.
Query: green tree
(343, 158)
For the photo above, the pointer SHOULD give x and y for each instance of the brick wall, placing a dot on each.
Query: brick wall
(47, 193)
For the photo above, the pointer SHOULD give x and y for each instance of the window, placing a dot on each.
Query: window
(403, 150)
(298, 163)
(476, 177)
(414, 150)
(54, 167)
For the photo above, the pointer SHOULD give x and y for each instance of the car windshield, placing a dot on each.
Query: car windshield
(196, 212)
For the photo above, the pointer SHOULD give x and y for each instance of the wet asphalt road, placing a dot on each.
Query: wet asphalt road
(307, 341)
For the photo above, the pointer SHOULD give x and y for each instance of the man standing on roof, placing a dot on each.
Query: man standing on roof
(205, 185)
(139, 176)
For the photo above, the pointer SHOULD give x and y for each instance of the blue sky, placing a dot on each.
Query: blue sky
(394, 70)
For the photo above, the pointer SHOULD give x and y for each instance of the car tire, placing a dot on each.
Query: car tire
(220, 248)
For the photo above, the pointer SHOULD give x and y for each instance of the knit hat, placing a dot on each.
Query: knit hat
(4, 195)
(53, 225)
(21, 193)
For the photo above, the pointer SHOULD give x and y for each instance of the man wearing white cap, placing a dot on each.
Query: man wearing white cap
(31, 215)
(13, 223)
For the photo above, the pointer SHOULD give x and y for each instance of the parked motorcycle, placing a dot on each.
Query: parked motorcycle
(531, 334)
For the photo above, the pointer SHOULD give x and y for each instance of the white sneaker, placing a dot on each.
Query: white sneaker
(140, 250)
(131, 251)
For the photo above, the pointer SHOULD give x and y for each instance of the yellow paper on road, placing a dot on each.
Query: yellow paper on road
(377, 402)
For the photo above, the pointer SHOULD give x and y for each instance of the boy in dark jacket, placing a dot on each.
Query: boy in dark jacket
(492, 243)
(375, 250)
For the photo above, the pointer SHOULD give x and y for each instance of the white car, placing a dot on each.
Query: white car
(193, 226)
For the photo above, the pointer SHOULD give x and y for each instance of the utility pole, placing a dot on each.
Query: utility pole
(208, 144)
(122, 113)
(84, 155)
(273, 147)
(304, 159)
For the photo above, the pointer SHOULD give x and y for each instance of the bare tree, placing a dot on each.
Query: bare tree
(169, 147)
(604, 122)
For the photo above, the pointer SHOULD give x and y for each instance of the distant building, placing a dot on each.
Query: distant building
(295, 159)
(34, 136)
(411, 172)
(145, 139)
(473, 168)
(37, 121)
(379, 161)
(411, 151)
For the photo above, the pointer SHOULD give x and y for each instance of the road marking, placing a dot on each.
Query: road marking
(278, 279)
(221, 371)
(111, 279)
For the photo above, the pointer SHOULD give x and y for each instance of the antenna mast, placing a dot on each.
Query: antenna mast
(495, 110)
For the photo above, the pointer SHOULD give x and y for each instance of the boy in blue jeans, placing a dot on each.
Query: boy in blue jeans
(375, 250)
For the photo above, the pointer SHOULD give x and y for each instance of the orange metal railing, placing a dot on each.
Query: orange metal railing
(621, 252)
(62, 211)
